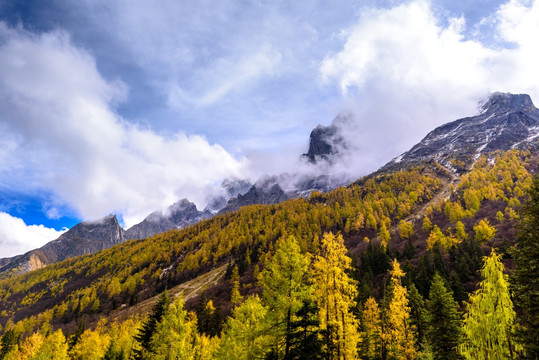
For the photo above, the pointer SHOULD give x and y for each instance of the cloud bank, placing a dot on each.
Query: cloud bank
(60, 132)
(405, 71)
(16, 237)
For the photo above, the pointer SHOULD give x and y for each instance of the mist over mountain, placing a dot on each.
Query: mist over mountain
(506, 121)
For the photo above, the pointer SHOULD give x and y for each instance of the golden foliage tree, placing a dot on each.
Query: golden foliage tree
(488, 321)
(398, 336)
(335, 292)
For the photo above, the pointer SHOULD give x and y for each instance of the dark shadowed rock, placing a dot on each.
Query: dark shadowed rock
(324, 143)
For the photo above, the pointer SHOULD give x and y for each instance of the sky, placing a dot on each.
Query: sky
(127, 106)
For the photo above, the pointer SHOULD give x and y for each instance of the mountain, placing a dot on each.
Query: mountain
(178, 215)
(326, 142)
(429, 220)
(266, 191)
(506, 121)
(230, 188)
(84, 238)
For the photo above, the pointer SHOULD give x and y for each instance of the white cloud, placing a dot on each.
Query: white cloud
(58, 117)
(405, 73)
(17, 238)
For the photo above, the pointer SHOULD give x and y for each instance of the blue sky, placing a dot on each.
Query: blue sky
(128, 106)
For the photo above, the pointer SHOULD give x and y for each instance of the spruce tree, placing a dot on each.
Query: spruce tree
(525, 282)
(144, 336)
(489, 317)
(444, 332)
(305, 334)
(418, 316)
(8, 343)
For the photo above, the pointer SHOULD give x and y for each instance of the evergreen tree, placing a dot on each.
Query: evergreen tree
(525, 281)
(418, 316)
(144, 336)
(444, 332)
(75, 338)
(9, 342)
(335, 293)
(398, 336)
(489, 317)
(285, 289)
(305, 334)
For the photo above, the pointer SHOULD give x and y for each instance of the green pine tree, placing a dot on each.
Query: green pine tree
(525, 282)
(144, 336)
(444, 332)
(305, 339)
(418, 316)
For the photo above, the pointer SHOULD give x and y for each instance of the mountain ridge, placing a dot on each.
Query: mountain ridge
(506, 121)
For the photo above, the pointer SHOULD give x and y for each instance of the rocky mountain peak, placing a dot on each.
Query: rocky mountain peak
(177, 215)
(324, 143)
(499, 103)
(507, 121)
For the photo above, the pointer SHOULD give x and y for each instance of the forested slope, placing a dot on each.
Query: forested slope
(364, 256)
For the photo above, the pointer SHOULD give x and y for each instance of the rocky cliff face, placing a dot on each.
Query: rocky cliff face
(506, 121)
(84, 238)
(324, 143)
(178, 215)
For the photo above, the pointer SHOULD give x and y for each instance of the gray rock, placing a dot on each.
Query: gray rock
(506, 121)
(178, 215)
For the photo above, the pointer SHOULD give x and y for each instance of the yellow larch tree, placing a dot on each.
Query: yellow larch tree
(398, 335)
(335, 293)
(371, 334)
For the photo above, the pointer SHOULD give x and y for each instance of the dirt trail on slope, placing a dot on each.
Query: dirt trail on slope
(188, 290)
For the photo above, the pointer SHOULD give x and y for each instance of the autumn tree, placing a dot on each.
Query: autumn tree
(483, 231)
(406, 229)
(444, 332)
(399, 333)
(427, 224)
(335, 292)
(488, 320)
(175, 336)
(285, 282)
(245, 335)
(235, 296)
(525, 281)
(460, 231)
(371, 331)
